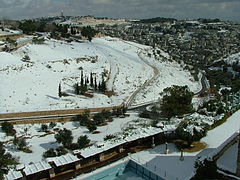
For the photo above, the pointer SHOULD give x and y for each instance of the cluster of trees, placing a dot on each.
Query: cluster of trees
(45, 127)
(218, 78)
(31, 26)
(65, 138)
(176, 100)
(83, 86)
(55, 152)
(88, 32)
(158, 20)
(98, 118)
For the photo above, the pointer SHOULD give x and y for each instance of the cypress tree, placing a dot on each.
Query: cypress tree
(95, 83)
(59, 90)
(77, 89)
(99, 86)
(103, 84)
(85, 81)
(91, 79)
(82, 81)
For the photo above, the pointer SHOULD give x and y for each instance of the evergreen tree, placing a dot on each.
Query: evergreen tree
(83, 141)
(65, 137)
(82, 81)
(85, 81)
(73, 31)
(91, 126)
(91, 79)
(95, 83)
(176, 100)
(77, 89)
(99, 86)
(8, 128)
(59, 90)
(103, 85)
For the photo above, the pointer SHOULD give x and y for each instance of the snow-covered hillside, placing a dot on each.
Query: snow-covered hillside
(33, 85)
(30, 76)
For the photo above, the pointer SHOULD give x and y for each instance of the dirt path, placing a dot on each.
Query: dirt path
(156, 73)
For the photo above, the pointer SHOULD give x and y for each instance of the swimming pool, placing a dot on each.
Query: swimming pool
(115, 172)
(128, 170)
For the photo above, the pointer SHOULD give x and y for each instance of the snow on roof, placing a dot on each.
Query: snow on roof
(36, 167)
(12, 175)
(143, 133)
(63, 160)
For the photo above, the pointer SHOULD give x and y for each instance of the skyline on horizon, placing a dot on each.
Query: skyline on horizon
(134, 9)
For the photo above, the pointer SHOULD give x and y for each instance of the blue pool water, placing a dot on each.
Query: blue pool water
(128, 175)
(128, 170)
(118, 172)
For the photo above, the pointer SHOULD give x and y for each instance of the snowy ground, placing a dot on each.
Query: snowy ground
(40, 144)
(33, 86)
(169, 73)
(171, 167)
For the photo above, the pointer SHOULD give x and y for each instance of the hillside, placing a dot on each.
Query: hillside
(30, 76)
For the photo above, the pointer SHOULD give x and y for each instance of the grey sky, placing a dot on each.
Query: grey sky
(223, 9)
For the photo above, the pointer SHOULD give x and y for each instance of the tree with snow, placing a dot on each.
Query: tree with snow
(190, 130)
(65, 137)
(176, 100)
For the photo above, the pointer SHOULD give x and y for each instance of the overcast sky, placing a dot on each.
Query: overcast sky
(180, 9)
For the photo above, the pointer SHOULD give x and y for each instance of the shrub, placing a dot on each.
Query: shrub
(7, 127)
(61, 151)
(109, 136)
(20, 143)
(49, 153)
(83, 141)
(44, 127)
(52, 125)
(98, 118)
(91, 126)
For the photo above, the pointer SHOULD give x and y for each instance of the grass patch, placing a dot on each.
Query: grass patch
(138, 148)
(195, 146)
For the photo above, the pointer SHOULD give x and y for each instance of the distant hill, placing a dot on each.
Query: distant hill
(158, 20)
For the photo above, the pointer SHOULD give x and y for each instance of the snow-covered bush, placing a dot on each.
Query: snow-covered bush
(191, 130)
